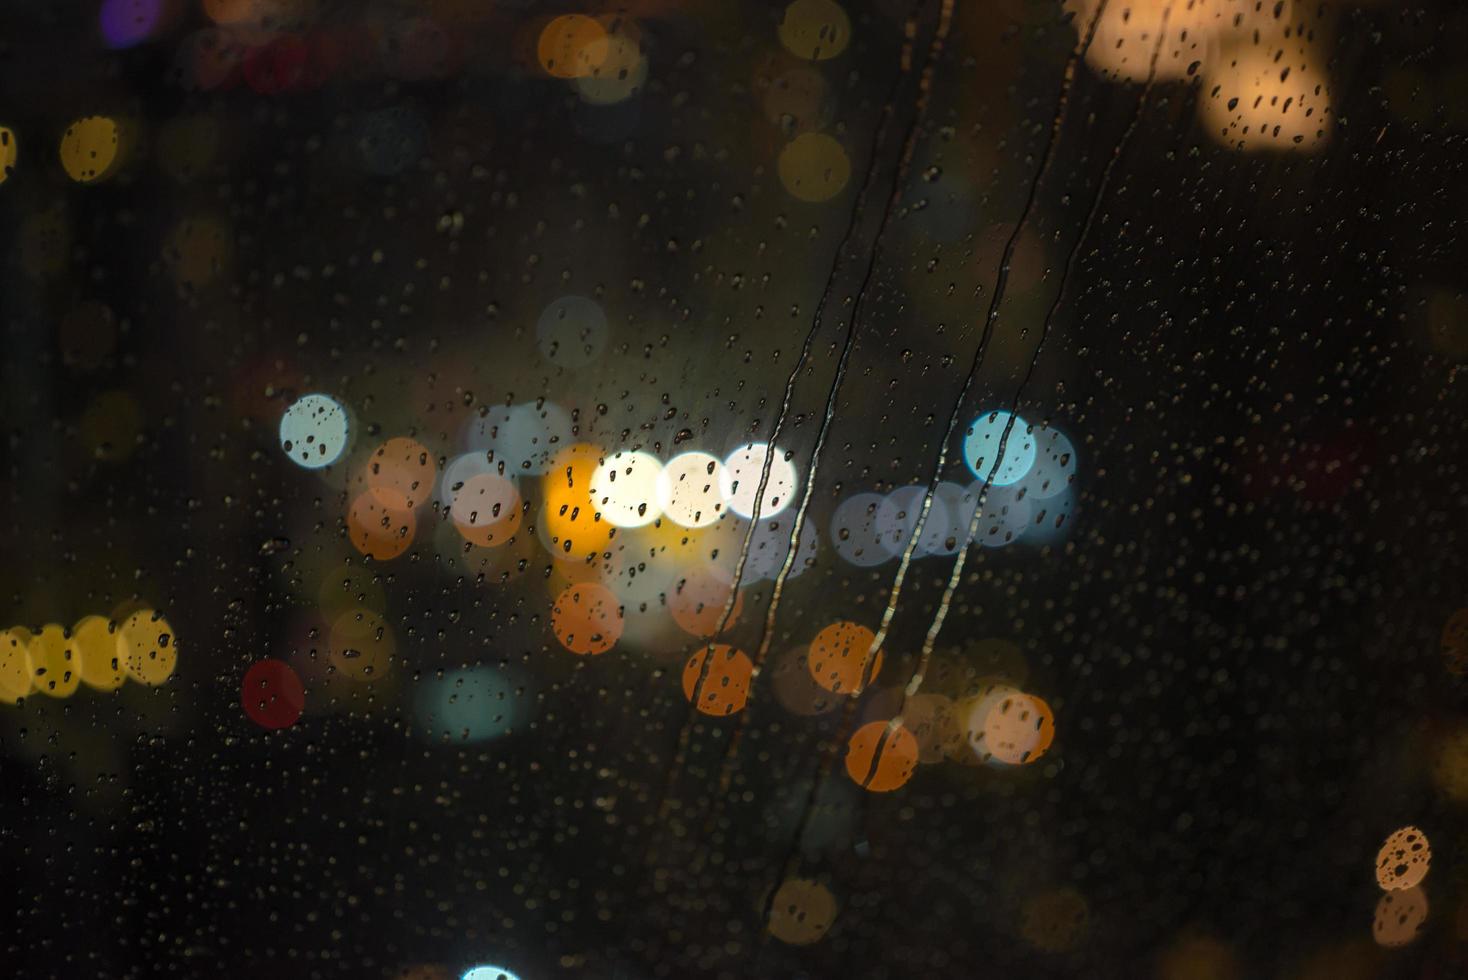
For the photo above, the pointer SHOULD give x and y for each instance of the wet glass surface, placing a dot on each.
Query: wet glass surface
(733, 489)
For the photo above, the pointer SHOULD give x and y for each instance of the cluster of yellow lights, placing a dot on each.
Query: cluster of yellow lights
(1264, 84)
(814, 166)
(96, 651)
(1401, 866)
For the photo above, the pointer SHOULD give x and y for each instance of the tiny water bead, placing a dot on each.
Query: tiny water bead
(314, 430)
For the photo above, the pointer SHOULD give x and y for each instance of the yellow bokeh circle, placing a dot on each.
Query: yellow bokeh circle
(98, 654)
(54, 662)
(147, 648)
(815, 29)
(813, 167)
(91, 149)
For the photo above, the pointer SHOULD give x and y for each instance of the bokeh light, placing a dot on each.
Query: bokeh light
(690, 489)
(572, 527)
(698, 599)
(486, 510)
(624, 488)
(895, 753)
(91, 149)
(838, 658)
(1400, 917)
(124, 23)
(815, 29)
(769, 546)
(15, 667)
(814, 168)
(525, 438)
(314, 430)
(855, 533)
(570, 46)
(272, 694)
(1007, 514)
(1403, 859)
(362, 645)
(9, 152)
(587, 619)
(933, 721)
(981, 448)
(98, 657)
(488, 973)
(474, 704)
(572, 331)
(801, 912)
(54, 662)
(400, 473)
(147, 647)
(1267, 95)
(379, 530)
(716, 680)
(1055, 465)
(1019, 729)
(743, 467)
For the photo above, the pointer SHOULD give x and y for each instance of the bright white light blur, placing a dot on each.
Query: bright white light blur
(313, 431)
(742, 470)
(854, 530)
(691, 489)
(981, 448)
(624, 489)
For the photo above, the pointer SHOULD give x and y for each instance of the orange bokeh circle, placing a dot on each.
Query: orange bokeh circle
(725, 687)
(587, 619)
(838, 658)
(896, 755)
(697, 601)
(377, 530)
(400, 473)
(1019, 729)
(1403, 859)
